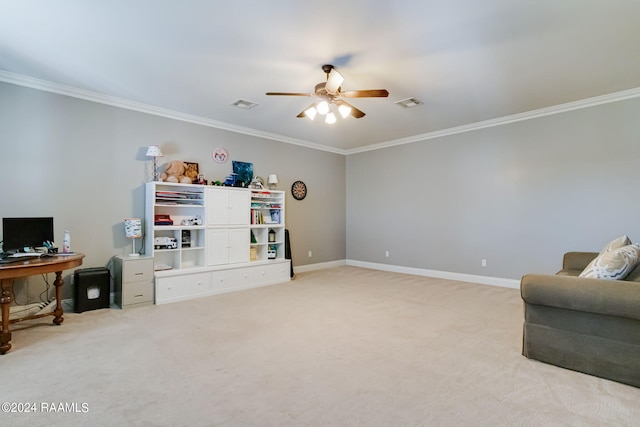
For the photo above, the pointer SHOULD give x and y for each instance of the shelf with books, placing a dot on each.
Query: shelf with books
(168, 194)
(175, 232)
(267, 225)
(208, 239)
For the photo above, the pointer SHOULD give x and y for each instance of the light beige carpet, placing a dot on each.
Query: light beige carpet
(339, 347)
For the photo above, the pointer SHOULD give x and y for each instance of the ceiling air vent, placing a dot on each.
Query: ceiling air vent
(409, 102)
(245, 105)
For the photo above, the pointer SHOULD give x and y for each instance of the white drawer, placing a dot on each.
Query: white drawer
(137, 293)
(271, 273)
(182, 286)
(139, 270)
(224, 280)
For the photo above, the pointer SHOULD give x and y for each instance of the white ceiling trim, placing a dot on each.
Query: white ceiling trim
(87, 95)
(528, 115)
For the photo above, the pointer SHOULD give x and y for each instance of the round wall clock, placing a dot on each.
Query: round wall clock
(299, 190)
(220, 155)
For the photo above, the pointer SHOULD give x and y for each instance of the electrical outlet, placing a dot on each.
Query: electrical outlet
(310, 254)
(484, 262)
(386, 254)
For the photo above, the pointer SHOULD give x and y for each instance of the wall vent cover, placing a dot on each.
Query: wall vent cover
(409, 102)
(245, 105)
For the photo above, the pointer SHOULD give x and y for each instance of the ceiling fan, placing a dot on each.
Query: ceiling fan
(331, 93)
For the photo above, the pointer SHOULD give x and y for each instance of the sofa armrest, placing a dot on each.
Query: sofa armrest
(577, 260)
(610, 297)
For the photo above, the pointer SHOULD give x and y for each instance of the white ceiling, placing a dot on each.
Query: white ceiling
(468, 61)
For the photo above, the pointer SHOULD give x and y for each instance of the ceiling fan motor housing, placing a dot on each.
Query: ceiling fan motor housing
(320, 90)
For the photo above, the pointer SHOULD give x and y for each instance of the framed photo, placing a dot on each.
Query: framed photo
(193, 170)
(244, 172)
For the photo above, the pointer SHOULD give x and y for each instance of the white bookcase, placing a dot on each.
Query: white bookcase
(181, 244)
(267, 225)
(222, 239)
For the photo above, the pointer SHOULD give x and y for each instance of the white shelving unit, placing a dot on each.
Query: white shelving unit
(181, 244)
(228, 249)
(267, 225)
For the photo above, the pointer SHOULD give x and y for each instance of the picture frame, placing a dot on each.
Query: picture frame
(244, 172)
(193, 170)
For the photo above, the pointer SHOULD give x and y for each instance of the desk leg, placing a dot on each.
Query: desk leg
(58, 311)
(5, 301)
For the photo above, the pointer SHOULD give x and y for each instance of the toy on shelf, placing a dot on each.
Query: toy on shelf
(176, 172)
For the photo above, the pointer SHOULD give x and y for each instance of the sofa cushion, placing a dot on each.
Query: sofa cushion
(614, 264)
(616, 243)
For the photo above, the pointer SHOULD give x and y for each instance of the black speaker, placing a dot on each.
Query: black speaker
(92, 289)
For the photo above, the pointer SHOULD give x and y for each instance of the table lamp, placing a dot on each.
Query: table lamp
(272, 181)
(133, 230)
(155, 152)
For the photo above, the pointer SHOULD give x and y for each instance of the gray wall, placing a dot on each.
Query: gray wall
(83, 163)
(517, 195)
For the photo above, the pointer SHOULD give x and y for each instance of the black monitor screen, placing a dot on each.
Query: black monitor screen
(18, 233)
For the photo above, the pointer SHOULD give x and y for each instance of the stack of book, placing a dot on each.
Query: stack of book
(162, 219)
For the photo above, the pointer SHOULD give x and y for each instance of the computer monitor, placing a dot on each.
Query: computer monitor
(18, 233)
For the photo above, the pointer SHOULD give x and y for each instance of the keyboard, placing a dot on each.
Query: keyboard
(11, 260)
(20, 256)
(26, 255)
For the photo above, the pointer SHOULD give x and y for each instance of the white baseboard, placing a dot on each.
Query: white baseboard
(318, 266)
(483, 280)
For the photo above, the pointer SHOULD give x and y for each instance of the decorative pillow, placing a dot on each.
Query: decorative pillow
(616, 243)
(614, 264)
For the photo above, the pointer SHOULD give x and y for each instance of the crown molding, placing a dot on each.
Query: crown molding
(87, 95)
(528, 115)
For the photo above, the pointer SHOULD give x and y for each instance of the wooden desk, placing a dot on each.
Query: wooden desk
(31, 267)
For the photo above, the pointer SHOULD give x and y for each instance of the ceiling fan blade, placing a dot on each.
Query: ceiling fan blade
(334, 80)
(354, 111)
(371, 93)
(288, 94)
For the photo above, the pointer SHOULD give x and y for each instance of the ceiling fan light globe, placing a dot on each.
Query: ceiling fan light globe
(344, 110)
(323, 108)
(311, 113)
(334, 80)
(330, 118)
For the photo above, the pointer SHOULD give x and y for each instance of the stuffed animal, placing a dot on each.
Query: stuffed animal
(175, 172)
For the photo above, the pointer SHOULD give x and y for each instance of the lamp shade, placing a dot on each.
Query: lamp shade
(330, 118)
(273, 179)
(133, 228)
(311, 112)
(154, 151)
(334, 80)
(322, 108)
(344, 110)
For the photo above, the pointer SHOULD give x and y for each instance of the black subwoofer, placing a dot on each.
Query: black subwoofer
(92, 288)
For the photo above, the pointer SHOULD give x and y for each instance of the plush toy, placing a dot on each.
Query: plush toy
(175, 172)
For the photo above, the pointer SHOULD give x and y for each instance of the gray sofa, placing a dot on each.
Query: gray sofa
(587, 325)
